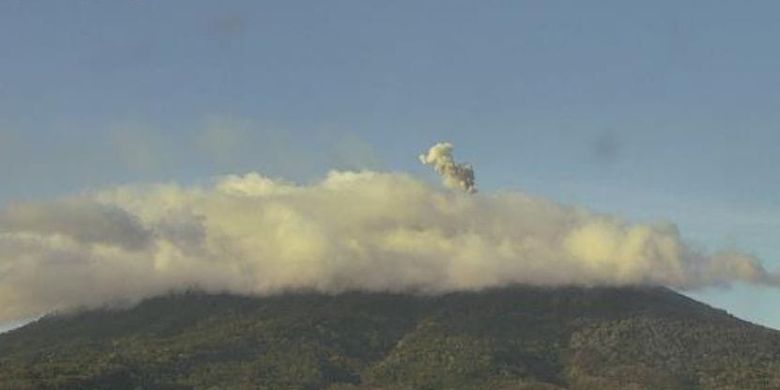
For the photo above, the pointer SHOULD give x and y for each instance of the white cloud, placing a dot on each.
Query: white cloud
(352, 230)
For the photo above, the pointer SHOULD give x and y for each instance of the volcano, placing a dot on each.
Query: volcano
(505, 338)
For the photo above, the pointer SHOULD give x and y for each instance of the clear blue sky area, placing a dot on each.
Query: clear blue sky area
(661, 110)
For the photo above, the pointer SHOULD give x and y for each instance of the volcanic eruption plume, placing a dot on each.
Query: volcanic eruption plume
(454, 175)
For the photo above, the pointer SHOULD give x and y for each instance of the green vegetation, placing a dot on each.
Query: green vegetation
(512, 338)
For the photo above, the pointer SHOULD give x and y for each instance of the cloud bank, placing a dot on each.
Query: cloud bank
(364, 230)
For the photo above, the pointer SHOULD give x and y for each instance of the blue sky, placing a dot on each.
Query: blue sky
(657, 110)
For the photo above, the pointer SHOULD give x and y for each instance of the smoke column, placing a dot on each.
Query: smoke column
(456, 176)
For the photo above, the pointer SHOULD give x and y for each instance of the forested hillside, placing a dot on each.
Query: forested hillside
(512, 338)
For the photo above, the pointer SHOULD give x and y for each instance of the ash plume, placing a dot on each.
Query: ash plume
(454, 175)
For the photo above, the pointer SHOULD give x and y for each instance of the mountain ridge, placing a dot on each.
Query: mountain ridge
(502, 338)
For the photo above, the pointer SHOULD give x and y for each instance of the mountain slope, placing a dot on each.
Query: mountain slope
(511, 338)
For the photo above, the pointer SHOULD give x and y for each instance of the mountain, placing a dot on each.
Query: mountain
(509, 338)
